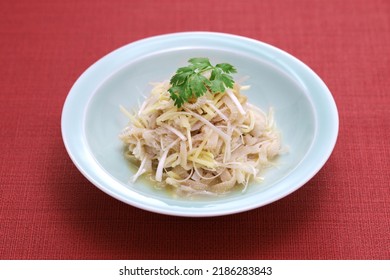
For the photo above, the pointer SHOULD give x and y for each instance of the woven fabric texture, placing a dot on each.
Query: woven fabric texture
(48, 210)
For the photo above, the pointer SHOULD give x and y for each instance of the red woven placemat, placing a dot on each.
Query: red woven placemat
(48, 210)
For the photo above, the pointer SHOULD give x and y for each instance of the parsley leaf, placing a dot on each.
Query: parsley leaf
(225, 67)
(189, 81)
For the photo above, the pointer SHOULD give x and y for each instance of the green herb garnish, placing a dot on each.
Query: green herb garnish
(189, 81)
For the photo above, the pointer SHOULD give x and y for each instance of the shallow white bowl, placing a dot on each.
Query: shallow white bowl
(305, 113)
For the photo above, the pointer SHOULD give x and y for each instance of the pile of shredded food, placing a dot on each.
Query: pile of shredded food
(212, 145)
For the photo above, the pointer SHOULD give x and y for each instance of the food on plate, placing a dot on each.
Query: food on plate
(197, 134)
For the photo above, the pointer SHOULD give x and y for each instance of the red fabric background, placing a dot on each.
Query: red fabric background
(48, 210)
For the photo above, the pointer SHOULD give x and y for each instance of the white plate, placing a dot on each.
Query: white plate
(305, 112)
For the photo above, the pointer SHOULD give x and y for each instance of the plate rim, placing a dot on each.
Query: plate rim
(181, 35)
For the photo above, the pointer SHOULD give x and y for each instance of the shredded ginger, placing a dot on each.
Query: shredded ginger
(211, 146)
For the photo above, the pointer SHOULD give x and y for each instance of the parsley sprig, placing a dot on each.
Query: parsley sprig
(189, 81)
